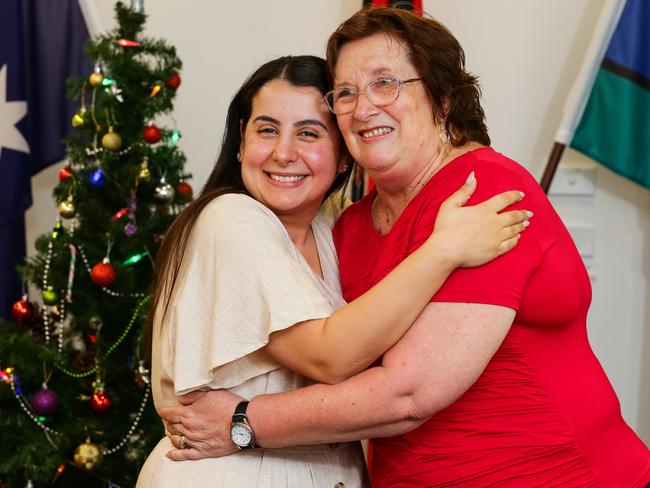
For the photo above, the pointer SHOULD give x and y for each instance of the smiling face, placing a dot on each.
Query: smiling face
(290, 150)
(394, 142)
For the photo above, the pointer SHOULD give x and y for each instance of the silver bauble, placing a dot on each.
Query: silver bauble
(164, 192)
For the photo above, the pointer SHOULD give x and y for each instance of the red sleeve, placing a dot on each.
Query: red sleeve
(503, 280)
(351, 216)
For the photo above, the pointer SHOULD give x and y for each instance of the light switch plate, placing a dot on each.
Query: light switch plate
(574, 179)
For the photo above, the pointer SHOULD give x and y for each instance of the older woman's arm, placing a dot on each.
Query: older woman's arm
(435, 362)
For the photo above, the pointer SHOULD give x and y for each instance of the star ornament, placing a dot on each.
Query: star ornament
(10, 114)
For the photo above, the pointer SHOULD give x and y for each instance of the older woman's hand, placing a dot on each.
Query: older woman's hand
(203, 418)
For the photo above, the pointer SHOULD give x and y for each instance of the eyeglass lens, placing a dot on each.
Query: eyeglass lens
(379, 92)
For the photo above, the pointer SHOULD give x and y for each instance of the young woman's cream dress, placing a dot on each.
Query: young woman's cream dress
(241, 279)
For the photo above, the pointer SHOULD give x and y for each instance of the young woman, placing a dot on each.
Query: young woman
(247, 296)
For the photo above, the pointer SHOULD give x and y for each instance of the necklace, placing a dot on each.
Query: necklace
(383, 218)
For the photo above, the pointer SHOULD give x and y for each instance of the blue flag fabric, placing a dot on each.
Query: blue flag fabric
(41, 45)
(614, 128)
(630, 44)
(55, 33)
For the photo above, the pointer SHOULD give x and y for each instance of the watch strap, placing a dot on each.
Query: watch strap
(240, 416)
(240, 411)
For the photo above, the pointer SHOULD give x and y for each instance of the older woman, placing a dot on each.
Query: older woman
(495, 384)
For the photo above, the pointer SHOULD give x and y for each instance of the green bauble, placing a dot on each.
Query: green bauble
(50, 297)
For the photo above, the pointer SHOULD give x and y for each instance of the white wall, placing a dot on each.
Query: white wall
(526, 54)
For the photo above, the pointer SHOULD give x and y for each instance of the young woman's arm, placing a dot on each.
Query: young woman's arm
(332, 349)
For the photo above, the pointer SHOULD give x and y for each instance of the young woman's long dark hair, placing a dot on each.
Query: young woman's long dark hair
(307, 71)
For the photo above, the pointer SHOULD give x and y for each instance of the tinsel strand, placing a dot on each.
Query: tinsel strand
(119, 340)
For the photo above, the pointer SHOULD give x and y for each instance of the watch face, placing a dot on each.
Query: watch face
(241, 434)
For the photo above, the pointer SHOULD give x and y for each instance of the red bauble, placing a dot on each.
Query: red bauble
(184, 191)
(100, 402)
(103, 274)
(65, 173)
(174, 81)
(151, 134)
(22, 311)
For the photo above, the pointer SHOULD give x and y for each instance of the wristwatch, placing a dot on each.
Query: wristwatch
(241, 432)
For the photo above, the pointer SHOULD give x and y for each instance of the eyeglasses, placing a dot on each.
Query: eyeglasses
(380, 93)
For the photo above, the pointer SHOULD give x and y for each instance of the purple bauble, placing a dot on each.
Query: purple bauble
(130, 229)
(45, 402)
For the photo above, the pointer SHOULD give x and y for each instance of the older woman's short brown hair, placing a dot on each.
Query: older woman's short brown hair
(438, 58)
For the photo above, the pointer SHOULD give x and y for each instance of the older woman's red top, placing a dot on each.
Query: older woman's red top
(543, 413)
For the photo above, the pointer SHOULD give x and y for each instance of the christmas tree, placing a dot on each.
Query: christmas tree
(75, 400)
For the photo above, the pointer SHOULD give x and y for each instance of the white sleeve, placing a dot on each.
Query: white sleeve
(241, 279)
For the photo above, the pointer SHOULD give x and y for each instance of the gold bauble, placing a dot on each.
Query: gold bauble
(112, 141)
(145, 173)
(88, 456)
(54, 312)
(67, 209)
(96, 79)
(78, 119)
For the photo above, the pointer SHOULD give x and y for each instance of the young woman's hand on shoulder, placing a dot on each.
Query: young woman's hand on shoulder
(474, 235)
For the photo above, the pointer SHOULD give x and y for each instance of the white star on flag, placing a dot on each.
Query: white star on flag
(10, 114)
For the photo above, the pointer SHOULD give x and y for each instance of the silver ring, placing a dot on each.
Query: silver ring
(182, 442)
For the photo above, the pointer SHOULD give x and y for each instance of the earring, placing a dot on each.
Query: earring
(345, 168)
(239, 157)
(444, 136)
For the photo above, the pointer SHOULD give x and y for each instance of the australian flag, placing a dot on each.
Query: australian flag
(41, 46)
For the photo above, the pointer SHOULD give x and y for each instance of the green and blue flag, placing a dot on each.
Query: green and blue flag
(614, 128)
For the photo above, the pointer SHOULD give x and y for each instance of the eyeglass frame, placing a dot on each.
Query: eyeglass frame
(400, 84)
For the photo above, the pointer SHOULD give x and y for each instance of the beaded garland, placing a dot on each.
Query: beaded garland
(8, 377)
(104, 288)
(50, 320)
(114, 346)
(46, 311)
